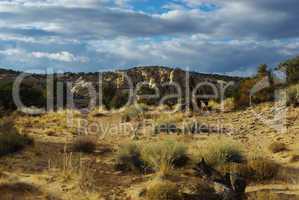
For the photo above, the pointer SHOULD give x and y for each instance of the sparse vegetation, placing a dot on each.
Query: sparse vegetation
(162, 190)
(85, 144)
(277, 147)
(293, 95)
(163, 156)
(128, 158)
(260, 169)
(10, 140)
(159, 157)
(219, 151)
(133, 112)
(204, 190)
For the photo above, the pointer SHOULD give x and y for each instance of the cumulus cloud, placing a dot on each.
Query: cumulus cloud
(205, 35)
(63, 56)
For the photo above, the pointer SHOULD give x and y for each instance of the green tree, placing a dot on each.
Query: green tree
(262, 70)
(291, 68)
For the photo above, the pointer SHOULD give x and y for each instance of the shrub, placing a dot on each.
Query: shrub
(266, 195)
(162, 190)
(10, 140)
(260, 169)
(293, 95)
(219, 151)
(277, 147)
(204, 190)
(84, 144)
(163, 156)
(159, 157)
(119, 100)
(133, 112)
(166, 123)
(29, 95)
(13, 142)
(128, 158)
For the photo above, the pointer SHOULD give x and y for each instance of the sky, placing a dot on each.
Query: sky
(211, 36)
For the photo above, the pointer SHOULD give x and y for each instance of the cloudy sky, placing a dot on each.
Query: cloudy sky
(218, 36)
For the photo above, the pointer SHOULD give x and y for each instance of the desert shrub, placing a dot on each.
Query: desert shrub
(162, 190)
(133, 112)
(293, 95)
(119, 100)
(265, 195)
(10, 140)
(259, 169)
(128, 158)
(277, 147)
(84, 144)
(228, 105)
(204, 190)
(214, 105)
(242, 94)
(291, 68)
(219, 151)
(29, 95)
(163, 156)
(168, 123)
(13, 142)
(159, 157)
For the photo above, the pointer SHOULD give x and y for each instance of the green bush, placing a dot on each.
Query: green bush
(29, 95)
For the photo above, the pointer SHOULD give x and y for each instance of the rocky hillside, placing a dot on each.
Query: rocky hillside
(117, 83)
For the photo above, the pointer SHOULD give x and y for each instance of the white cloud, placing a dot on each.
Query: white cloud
(63, 56)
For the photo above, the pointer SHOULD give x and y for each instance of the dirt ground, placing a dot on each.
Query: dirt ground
(50, 170)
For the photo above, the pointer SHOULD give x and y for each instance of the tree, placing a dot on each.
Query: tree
(291, 68)
(263, 70)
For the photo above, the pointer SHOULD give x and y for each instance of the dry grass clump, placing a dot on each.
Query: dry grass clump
(277, 147)
(85, 144)
(266, 195)
(133, 112)
(170, 118)
(128, 158)
(167, 123)
(260, 169)
(161, 157)
(162, 190)
(227, 105)
(10, 140)
(218, 151)
(204, 190)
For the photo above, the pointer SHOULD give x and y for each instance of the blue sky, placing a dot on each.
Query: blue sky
(231, 37)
